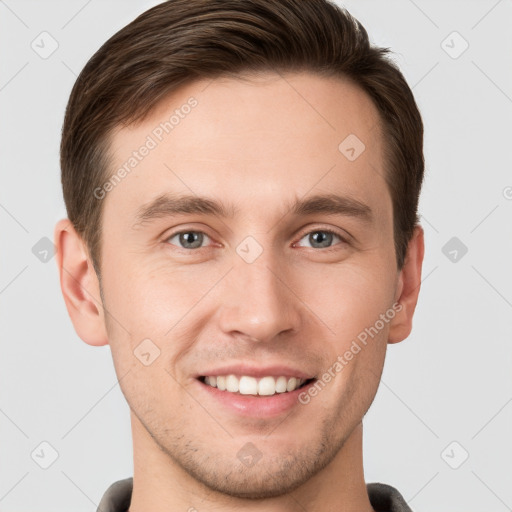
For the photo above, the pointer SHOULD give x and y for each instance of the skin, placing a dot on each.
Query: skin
(258, 144)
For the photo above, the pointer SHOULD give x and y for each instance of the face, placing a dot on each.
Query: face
(247, 242)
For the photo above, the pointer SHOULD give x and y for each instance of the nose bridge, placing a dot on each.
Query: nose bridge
(256, 300)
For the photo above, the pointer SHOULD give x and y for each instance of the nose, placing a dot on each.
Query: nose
(258, 300)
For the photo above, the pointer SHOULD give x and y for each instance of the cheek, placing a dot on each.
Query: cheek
(148, 298)
(156, 302)
(349, 298)
(145, 296)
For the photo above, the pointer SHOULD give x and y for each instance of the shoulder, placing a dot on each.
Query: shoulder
(117, 497)
(385, 498)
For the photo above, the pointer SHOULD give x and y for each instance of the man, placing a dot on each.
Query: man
(242, 182)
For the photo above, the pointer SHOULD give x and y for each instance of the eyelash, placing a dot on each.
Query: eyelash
(343, 239)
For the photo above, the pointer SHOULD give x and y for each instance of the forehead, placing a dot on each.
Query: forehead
(264, 139)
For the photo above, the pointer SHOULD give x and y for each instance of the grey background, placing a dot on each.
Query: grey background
(450, 381)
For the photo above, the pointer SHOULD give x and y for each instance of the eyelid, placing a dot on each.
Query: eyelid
(344, 237)
(166, 238)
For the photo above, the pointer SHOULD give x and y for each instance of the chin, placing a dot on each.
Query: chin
(264, 482)
(274, 475)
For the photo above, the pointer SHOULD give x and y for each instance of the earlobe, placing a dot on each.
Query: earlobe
(79, 285)
(408, 288)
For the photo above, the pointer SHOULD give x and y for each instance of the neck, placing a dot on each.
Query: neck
(161, 485)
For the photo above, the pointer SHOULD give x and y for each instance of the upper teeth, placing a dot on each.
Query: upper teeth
(251, 386)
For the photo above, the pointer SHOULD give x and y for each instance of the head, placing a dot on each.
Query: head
(242, 189)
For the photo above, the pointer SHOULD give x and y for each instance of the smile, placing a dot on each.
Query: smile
(247, 385)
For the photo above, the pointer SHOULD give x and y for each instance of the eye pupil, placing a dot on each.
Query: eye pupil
(320, 237)
(191, 237)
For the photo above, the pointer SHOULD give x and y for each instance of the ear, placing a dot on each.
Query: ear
(408, 288)
(79, 285)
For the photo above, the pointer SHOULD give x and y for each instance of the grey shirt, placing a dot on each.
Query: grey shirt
(383, 498)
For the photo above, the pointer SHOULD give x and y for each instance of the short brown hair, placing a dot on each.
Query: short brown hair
(179, 41)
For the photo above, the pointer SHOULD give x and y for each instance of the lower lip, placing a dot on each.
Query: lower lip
(255, 405)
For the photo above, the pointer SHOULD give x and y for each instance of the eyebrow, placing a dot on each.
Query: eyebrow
(168, 205)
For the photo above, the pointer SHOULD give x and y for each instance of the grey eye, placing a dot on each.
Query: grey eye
(320, 238)
(188, 239)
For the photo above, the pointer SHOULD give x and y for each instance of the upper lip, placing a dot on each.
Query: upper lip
(256, 371)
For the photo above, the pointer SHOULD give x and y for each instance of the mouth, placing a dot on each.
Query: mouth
(255, 392)
(266, 386)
